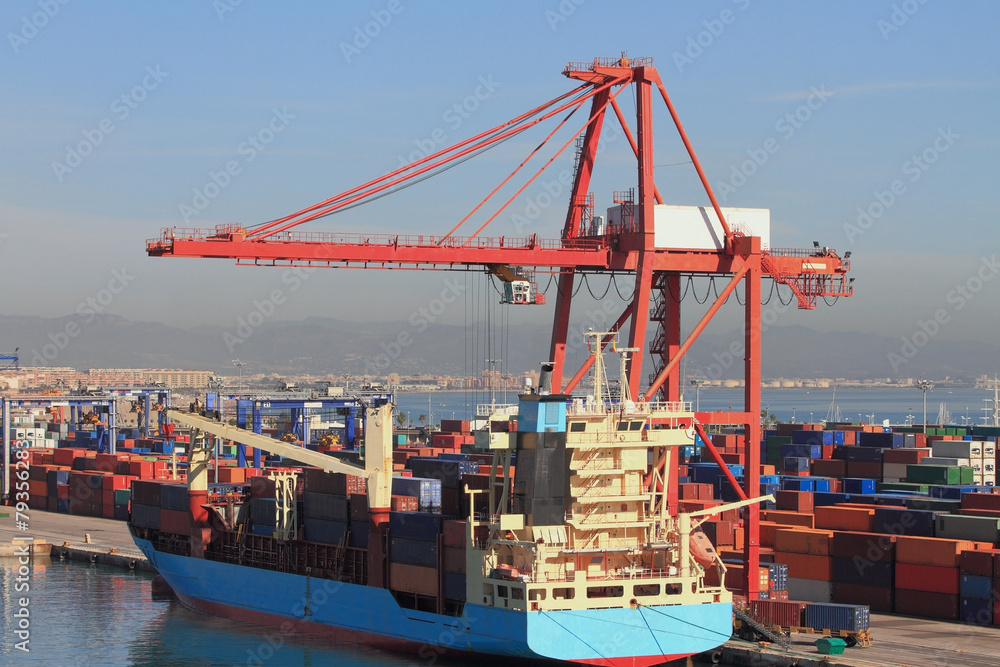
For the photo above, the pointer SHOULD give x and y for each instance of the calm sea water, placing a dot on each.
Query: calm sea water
(82, 614)
(802, 405)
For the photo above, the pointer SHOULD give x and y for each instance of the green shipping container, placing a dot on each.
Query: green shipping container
(960, 527)
(122, 496)
(939, 474)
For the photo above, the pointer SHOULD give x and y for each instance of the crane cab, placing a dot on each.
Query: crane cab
(521, 292)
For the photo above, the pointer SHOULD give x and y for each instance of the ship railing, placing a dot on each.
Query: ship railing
(490, 409)
(583, 407)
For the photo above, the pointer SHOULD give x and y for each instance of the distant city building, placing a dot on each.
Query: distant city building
(177, 378)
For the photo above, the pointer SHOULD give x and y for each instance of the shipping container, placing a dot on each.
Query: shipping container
(836, 617)
(773, 612)
(877, 599)
(981, 588)
(930, 578)
(413, 552)
(811, 590)
(976, 528)
(145, 516)
(324, 532)
(413, 579)
(976, 611)
(930, 551)
(325, 506)
(416, 525)
(862, 572)
(927, 605)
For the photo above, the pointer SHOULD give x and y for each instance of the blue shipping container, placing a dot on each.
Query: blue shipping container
(974, 610)
(426, 491)
(979, 588)
(324, 532)
(416, 525)
(413, 552)
(835, 617)
(858, 485)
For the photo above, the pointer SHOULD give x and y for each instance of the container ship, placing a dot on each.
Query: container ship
(570, 554)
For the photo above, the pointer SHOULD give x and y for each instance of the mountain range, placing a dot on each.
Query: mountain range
(319, 345)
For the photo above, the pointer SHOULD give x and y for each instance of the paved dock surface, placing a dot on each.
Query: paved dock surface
(56, 529)
(898, 641)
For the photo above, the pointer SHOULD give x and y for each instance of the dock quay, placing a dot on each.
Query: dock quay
(83, 538)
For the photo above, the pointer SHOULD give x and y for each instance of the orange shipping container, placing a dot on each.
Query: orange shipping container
(931, 550)
(767, 530)
(845, 518)
(805, 566)
(803, 541)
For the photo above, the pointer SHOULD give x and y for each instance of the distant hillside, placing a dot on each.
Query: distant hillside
(325, 345)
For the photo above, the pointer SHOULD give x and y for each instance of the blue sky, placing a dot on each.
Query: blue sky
(898, 80)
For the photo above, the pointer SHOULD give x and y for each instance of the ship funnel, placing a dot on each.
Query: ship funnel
(545, 379)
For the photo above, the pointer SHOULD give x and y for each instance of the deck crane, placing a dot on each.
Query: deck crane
(634, 241)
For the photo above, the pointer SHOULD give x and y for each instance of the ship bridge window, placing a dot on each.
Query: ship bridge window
(536, 594)
(622, 426)
(517, 593)
(605, 591)
(645, 590)
(563, 593)
(502, 591)
(577, 427)
(636, 426)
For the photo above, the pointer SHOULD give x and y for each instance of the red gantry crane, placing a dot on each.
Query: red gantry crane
(658, 245)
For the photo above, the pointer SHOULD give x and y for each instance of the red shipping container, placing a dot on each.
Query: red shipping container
(875, 547)
(62, 491)
(927, 605)
(850, 437)
(866, 469)
(829, 468)
(114, 482)
(65, 456)
(981, 501)
(172, 521)
(909, 455)
(141, 469)
(927, 578)
(719, 533)
(108, 510)
(978, 563)
(775, 612)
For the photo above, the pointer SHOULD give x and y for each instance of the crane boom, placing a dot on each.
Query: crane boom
(377, 467)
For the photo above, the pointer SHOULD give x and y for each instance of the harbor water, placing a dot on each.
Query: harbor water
(874, 405)
(83, 614)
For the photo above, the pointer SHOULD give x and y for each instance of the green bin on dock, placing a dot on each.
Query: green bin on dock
(831, 645)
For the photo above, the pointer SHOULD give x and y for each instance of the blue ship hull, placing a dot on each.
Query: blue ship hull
(349, 612)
